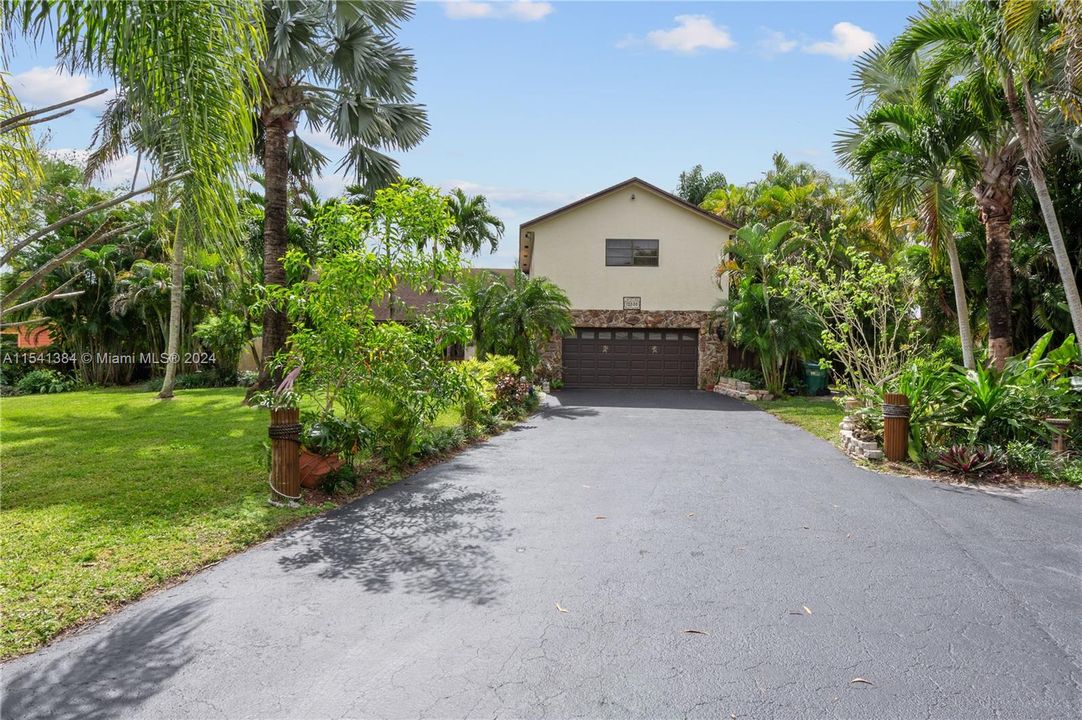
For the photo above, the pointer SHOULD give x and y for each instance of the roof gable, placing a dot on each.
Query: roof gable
(649, 187)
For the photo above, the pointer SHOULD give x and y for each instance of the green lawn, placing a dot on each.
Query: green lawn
(108, 493)
(820, 416)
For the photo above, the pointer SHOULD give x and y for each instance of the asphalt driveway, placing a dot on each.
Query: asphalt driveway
(556, 571)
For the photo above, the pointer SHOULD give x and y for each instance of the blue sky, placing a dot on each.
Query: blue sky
(538, 103)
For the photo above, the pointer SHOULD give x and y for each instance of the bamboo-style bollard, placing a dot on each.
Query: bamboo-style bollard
(895, 426)
(285, 434)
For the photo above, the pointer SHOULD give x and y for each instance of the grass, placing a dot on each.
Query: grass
(820, 416)
(109, 493)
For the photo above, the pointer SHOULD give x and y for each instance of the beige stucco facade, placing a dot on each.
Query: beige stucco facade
(568, 248)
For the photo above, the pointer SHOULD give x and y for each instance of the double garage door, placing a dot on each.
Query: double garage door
(608, 358)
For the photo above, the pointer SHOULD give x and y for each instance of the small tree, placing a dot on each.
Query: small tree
(867, 309)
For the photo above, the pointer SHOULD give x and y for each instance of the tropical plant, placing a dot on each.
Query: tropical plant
(337, 66)
(474, 224)
(759, 315)
(969, 459)
(528, 314)
(224, 335)
(694, 186)
(43, 381)
(910, 161)
(961, 46)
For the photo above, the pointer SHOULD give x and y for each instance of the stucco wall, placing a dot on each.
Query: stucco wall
(569, 249)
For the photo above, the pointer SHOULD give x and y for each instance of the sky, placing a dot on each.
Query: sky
(535, 104)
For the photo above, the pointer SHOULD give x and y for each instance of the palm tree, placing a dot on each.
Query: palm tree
(336, 65)
(910, 162)
(475, 225)
(995, 144)
(484, 292)
(994, 47)
(1033, 61)
(183, 66)
(758, 314)
(528, 314)
(695, 186)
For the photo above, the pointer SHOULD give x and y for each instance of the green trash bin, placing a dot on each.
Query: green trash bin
(815, 378)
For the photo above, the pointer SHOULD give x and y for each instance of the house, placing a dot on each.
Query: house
(639, 266)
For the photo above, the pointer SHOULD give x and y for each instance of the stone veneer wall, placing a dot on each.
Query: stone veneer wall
(713, 353)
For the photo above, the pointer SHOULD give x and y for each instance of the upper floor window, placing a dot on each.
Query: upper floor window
(631, 252)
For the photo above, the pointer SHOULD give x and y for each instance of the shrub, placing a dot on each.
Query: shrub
(224, 336)
(512, 394)
(328, 434)
(481, 377)
(969, 459)
(1030, 458)
(438, 441)
(44, 381)
(343, 480)
(247, 378)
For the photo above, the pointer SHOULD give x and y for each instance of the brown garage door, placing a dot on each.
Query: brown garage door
(603, 357)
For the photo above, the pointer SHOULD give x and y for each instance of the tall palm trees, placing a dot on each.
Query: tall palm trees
(336, 66)
(996, 49)
(910, 161)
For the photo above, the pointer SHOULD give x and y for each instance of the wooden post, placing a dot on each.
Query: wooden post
(1059, 435)
(895, 426)
(285, 434)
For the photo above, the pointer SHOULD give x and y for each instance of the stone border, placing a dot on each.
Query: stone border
(851, 444)
(732, 387)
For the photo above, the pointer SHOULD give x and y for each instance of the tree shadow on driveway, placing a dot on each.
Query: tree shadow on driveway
(108, 677)
(429, 537)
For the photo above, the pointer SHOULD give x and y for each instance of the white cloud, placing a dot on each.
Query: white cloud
(849, 41)
(692, 33)
(776, 43)
(522, 10)
(43, 86)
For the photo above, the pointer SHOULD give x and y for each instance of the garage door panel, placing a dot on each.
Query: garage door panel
(597, 357)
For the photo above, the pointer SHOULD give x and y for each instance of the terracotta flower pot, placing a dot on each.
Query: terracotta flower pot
(315, 467)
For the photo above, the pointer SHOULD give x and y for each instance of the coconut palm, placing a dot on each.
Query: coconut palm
(336, 66)
(475, 225)
(911, 162)
(184, 66)
(991, 47)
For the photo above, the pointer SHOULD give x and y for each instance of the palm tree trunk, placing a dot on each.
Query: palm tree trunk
(176, 306)
(1030, 136)
(965, 333)
(995, 201)
(276, 207)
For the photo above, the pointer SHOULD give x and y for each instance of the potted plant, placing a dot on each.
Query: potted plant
(327, 444)
(319, 454)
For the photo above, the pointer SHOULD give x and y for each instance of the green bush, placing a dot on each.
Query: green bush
(343, 480)
(438, 441)
(1039, 460)
(969, 460)
(44, 381)
(481, 378)
(224, 336)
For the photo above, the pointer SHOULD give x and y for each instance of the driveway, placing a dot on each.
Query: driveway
(643, 515)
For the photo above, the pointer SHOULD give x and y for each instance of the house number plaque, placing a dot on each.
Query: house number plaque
(632, 303)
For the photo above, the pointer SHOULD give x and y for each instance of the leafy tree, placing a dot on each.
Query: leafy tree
(337, 66)
(529, 313)
(694, 186)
